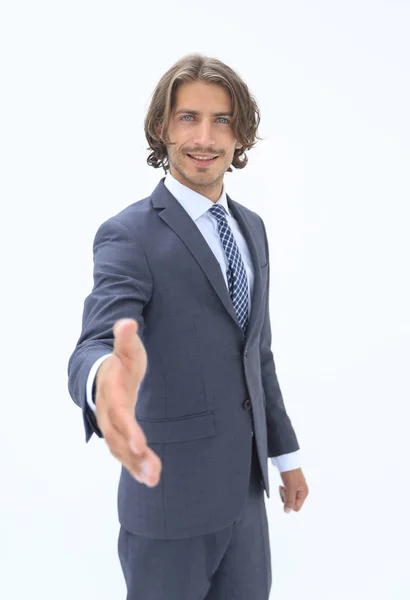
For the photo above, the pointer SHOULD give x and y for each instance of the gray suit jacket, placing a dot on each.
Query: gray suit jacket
(207, 385)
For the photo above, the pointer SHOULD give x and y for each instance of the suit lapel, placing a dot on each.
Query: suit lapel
(178, 219)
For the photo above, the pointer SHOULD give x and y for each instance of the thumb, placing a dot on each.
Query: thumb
(124, 338)
(289, 499)
(129, 348)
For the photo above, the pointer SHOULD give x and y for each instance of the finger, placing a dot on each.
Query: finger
(126, 424)
(300, 498)
(119, 448)
(148, 457)
(148, 467)
(298, 504)
(282, 493)
(290, 498)
(152, 465)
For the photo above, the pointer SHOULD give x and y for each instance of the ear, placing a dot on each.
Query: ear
(158, 129)
(238, 145)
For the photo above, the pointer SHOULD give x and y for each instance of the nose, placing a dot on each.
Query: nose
(203, 136)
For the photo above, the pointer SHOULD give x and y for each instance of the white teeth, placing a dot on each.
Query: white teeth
(202, 158)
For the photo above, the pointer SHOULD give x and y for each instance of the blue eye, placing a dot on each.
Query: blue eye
(190, 116)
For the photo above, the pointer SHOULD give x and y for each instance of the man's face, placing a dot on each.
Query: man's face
(203, 133)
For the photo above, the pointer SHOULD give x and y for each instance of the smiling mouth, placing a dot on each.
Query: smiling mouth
(202, 162)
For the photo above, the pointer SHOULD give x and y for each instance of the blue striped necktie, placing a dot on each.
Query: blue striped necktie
(236, 274)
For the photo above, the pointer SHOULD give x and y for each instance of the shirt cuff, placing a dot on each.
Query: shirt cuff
(287, 462)
(90, 381)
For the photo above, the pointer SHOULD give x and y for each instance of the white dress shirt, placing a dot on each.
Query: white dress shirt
(197, 206)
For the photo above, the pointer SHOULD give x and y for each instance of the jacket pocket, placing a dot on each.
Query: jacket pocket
(181, 429)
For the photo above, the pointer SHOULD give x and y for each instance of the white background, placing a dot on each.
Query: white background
(330, 180)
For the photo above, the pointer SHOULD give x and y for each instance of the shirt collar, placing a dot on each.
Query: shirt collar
(194, 203)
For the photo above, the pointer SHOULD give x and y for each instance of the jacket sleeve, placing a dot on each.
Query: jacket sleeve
(281, 436)
(122, 288)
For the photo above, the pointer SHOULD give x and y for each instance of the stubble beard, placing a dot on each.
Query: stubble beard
(202, 179)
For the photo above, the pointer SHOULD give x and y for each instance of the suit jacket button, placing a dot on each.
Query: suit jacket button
(247, 404)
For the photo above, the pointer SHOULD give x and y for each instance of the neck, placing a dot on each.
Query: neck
(211, 191)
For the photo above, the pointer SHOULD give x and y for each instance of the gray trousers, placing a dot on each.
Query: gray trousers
(233, 563)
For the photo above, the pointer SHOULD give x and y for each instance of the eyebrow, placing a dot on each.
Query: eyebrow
(197, 112)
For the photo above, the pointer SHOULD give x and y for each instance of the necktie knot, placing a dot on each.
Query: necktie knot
(218, 211)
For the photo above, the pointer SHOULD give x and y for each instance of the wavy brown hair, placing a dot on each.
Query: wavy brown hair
(197, 67)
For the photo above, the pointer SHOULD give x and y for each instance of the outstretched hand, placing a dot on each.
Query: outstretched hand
(117, 382)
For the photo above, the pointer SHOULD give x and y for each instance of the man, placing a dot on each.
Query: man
(174, 366)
